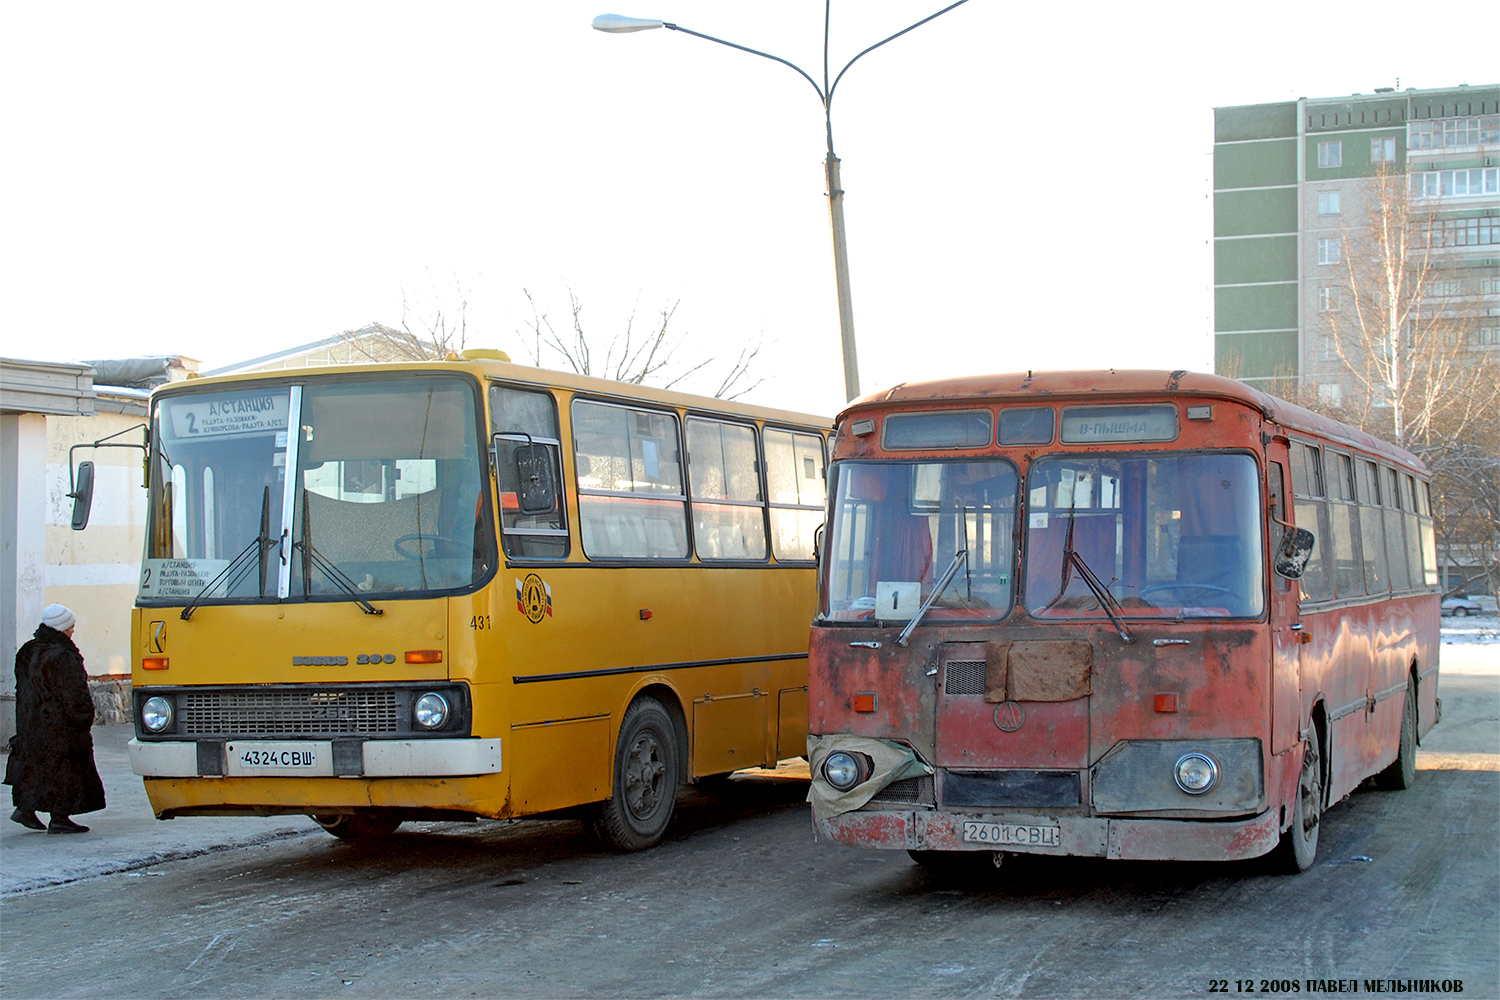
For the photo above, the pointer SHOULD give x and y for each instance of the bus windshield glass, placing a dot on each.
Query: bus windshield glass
(896, 527)
(386, 498)
(1167, 535)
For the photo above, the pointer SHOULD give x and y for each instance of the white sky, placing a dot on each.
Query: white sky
(1027, 185)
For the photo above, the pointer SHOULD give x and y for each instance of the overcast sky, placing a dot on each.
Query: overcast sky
(1027, 185)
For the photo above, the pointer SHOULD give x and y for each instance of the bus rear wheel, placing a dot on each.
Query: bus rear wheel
(1403, 770)
(1299, 844)
(363, 826)
(647, 771)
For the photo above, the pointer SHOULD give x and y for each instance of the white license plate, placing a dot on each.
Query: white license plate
(262, 758)
(1011, 835)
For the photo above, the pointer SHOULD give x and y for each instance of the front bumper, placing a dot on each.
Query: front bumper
(427, 758)
(1083, 836)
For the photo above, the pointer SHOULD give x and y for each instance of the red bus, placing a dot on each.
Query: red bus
(1122, 614)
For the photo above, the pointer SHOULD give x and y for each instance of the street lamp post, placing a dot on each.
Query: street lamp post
(617, 24)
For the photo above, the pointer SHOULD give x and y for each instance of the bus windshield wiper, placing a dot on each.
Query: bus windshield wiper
(311, 558)
(959, 557)
(240, 564)
(1101, 592)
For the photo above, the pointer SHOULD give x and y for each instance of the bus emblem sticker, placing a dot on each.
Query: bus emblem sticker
(534, 598)
(1009, 716)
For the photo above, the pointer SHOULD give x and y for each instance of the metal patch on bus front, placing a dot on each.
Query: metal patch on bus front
(534, 598)
(1009, 715)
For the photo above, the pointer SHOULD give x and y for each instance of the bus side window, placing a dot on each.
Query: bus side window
(729, 518)
(631, 503)
(1395, 534)
(1310, 510)
(795, 489)
(526, 450)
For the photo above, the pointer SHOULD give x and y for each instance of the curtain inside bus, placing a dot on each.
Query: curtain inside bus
(1165, 534)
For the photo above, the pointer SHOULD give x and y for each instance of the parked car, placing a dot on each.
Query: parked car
(1461, 606)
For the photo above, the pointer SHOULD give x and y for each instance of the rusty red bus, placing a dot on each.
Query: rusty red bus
(1122, 614)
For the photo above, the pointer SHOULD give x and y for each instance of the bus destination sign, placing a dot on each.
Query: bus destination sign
(1096, 424)
(222, 416)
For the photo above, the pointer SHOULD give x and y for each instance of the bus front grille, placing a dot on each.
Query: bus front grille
(300, 712)
(965, 677)
(918, 790)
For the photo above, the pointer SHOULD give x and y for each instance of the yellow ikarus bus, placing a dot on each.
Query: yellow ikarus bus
(468, 588)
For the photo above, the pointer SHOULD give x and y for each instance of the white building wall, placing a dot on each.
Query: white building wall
(23, 451)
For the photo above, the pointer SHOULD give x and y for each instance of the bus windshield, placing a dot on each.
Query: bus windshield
(386, 498)
(1167, 535)
(896, 527)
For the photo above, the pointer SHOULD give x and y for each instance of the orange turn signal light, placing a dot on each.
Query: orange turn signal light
(154, 663)
(864, 701)
(424, 656)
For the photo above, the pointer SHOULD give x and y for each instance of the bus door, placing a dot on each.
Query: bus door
(1287, 630)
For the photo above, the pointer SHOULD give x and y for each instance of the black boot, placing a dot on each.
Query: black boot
(61, 824)
(27, 818)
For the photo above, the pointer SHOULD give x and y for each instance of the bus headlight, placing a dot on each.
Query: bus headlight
(156, 714)
(431, 711)
(841, 771)
(1196, 772)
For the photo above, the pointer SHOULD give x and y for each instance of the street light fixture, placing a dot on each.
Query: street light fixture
(616, 24)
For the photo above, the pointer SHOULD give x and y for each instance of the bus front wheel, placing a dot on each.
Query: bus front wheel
(1299, 844)
(647, 772)
(358, 827)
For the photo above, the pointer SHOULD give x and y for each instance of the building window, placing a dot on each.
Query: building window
(1328, 251)
(1329, 394)
(1328, 300)
(1490, 286)
(1328, 203)
(1383, 150)
(1461, 232)
(1485, 336)
(1330, 154)
(1447, 286)
(1456, 183)
(1453, 133)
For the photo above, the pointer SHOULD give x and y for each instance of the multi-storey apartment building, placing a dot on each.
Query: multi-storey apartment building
(1294, 181)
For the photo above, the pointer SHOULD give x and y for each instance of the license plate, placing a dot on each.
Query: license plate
(1011, 835)
(263, 758)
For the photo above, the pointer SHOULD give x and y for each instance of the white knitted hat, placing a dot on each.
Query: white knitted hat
(58, 617)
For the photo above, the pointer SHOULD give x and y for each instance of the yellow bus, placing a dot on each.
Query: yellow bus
(468, 588)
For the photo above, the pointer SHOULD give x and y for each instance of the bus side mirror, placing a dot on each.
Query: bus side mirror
(83, 495)
(1293, 553)
(536, 486)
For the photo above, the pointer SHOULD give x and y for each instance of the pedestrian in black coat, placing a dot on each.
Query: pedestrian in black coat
(51, 766)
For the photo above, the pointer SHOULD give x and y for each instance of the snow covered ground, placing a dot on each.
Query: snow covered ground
(1481, 629)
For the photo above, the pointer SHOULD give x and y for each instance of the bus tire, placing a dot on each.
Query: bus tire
(1402, 771)
(647, 772)
(1299, 844)
(363, 826)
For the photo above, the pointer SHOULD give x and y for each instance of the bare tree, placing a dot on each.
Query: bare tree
(632, 355)
(1401, 348)
(1403, 345)
(432, 336)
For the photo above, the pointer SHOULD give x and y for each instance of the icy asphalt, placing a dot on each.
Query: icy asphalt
(126, 837)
